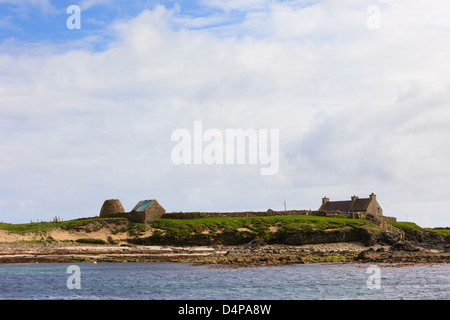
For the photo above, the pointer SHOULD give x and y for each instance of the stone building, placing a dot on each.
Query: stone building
(110, 207)
(145, 210)
(148, 210)
(356, 207)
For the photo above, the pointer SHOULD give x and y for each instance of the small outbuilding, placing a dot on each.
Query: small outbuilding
(149, 210)
(111, 207)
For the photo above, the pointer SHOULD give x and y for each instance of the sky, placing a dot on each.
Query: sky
(359, 92)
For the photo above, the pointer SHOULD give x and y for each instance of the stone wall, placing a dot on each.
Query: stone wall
(196, 215)
(132, 216)
(156, 211)
(390, 219)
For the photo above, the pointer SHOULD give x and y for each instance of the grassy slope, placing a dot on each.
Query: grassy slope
(407, 226)
(442, 232)
(294, 229)
(261, 226)
(189, 226)
(412, 227)
(256, 224)
(43, 227)
(294, 222)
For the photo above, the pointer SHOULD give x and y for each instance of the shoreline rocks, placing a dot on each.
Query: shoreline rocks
(255, 253)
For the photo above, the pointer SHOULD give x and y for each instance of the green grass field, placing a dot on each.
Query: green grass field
(294, 222)
(43, 227)
(256, 224)
(262, 224)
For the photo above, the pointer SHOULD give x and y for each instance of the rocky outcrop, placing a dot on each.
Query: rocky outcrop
(388, 238)
(427, 239)
(412, 255)
(255, 253)
(198, 239)
(299, 237)
(314, 237)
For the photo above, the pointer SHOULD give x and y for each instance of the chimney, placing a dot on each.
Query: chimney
(325, 200)
(372, 196)
(354, 198)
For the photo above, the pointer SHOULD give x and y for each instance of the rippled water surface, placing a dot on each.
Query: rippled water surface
(185, 281)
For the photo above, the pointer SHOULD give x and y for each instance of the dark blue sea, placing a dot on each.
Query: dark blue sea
(170, 281)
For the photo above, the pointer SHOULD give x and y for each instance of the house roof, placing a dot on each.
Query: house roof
(142, 205)
(357, 205)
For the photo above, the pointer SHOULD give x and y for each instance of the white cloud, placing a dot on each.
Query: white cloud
(359, 111)
(26, 5)
(86, 4)
(229, 5)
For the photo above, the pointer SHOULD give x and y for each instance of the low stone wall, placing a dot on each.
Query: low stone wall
(390, 219)
(196, 215)
(132, 216)
(140, 216)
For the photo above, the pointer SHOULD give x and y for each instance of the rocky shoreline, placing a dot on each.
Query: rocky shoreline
(255, 253)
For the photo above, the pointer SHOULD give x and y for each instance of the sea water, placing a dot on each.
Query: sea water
(131, 281)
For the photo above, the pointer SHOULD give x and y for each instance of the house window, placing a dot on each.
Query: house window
(378, 210)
